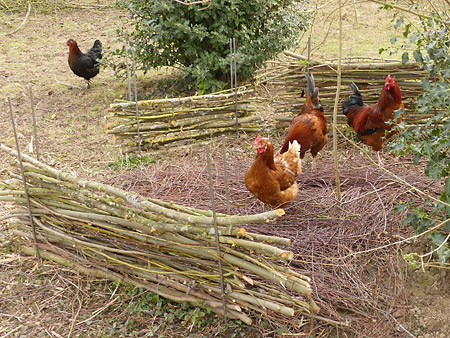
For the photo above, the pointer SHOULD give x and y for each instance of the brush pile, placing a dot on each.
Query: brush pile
(172, 119)
(358, 274)
(166, 248)
(286, 78)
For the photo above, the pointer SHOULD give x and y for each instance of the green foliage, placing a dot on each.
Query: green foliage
(430, 42)
(196, 39)
(169, 312)
(131, 161)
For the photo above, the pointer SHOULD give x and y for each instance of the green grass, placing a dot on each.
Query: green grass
(363, 36)
(131, 161)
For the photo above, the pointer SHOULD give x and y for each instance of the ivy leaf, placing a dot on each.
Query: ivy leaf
(398, 113)
(438, 240)
(418, 56)
(399, 22)
(425, 83)
(415, 37)
(405, 58)
(433, 170)
(406, 32)
(400, 207)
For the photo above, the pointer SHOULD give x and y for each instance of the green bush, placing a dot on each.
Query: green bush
(430, 42)
(195, 38)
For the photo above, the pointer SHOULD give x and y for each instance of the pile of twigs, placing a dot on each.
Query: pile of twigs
(286, 78)
(172, 119)
(346, 248)
(167, 248)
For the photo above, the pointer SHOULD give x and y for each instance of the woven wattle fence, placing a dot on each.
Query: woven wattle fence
(285, 78)
(167, 120)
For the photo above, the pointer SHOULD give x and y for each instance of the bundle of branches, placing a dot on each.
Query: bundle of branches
(164, 247)
(286, 78)
(167, 120)
(342, 246)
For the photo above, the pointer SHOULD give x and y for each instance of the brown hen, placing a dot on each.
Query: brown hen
(272, 181)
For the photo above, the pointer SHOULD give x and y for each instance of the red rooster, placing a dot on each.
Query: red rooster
(309, 127)
(84, 64)
(272, 181)
(369, 122)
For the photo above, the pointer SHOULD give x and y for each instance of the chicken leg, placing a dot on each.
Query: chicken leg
(379, 159)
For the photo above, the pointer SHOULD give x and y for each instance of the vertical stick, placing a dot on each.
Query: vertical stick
(309, 48)
(356, 11)
(235, 87)
(225, 174)
(33, 114)
(216, 232)
(336, 100)
(25, 189)
(136, 101)
(128, 70)
(231, 64)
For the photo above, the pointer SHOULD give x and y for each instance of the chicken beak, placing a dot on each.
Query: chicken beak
(260, 149)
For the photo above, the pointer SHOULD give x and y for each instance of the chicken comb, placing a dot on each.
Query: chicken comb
(389, 82)
(257, 140)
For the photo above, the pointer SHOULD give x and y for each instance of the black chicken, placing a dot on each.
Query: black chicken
(84, 65)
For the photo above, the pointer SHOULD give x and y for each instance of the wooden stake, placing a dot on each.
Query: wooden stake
(309, 48)
(33, 114)
(231, 64)
(336, 100)
(128, 70)
(225, 174)
(356, 11)
(23, 180)
(136, 102)
(216, 232)
(235, 87)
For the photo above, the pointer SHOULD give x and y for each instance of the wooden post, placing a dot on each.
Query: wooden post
(216, 232)
(33, 114)
(128, 70)
(235, 87)
(225, 174)
(136, 102)
(233, 79)
(336, 100)
(25, 189)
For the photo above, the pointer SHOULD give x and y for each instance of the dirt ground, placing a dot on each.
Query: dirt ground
(41, 299)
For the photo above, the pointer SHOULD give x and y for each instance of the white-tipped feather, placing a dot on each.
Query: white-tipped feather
(290, 160)
(294, 146)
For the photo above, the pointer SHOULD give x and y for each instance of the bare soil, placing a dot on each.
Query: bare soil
(44, 299)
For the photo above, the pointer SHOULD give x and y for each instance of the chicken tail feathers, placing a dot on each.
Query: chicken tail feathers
(355, 89)
(97, 45)
(312, 93)
(96, 50)
(354, 101)
(310, 84)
